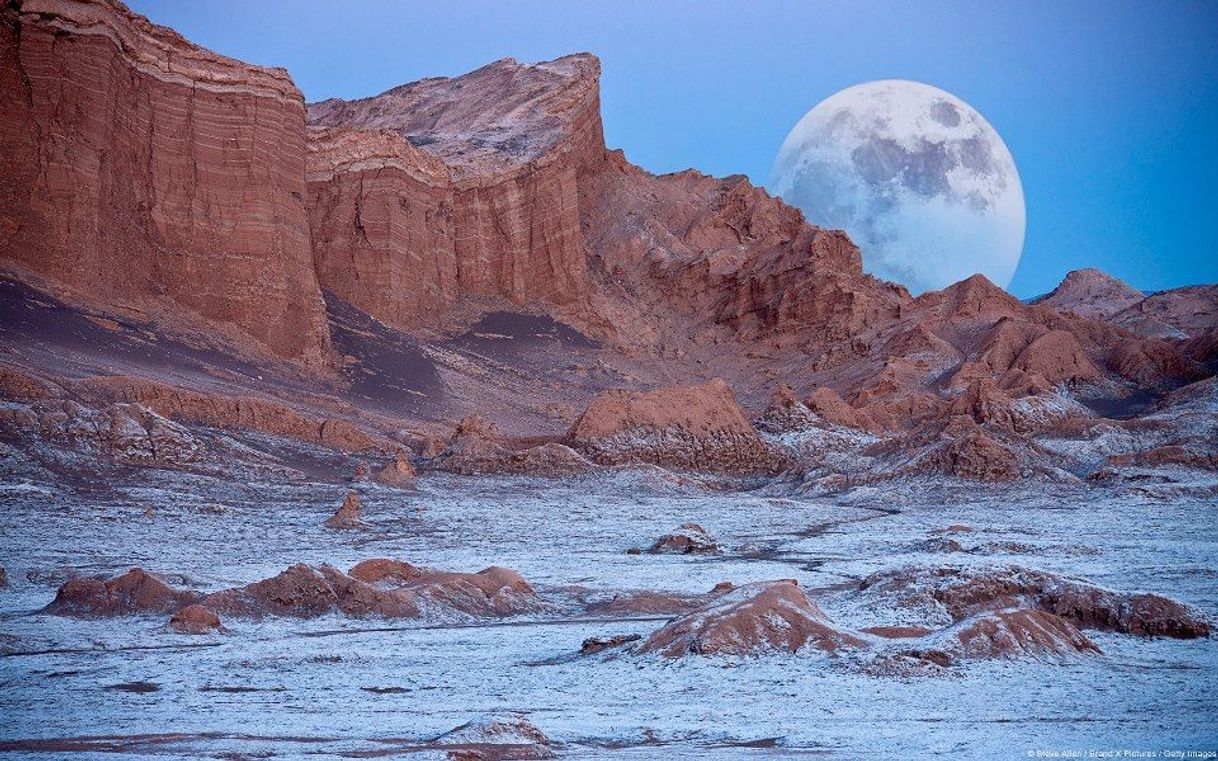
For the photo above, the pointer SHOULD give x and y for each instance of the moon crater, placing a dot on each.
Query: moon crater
(917, 177)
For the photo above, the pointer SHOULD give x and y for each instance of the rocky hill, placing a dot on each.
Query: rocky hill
(174, 220)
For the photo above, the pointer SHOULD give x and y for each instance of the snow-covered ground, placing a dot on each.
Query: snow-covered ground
(344, 686)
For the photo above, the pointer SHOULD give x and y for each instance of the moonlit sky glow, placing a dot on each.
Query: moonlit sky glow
(1110, 107)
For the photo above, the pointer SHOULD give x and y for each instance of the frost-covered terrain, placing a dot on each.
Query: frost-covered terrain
(370, 687)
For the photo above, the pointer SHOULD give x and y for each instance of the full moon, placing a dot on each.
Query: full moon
(920, 181)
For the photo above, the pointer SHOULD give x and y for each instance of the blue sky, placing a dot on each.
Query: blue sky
(1110, 108)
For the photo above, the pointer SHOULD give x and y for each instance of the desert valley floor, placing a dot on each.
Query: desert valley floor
(368, 688)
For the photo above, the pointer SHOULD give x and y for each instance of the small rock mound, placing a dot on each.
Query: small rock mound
(786, 412)
(698, 427)
(1014, 633)
(301, 591)
(378, 570)
(398, 474)
(754, 619)
(195, 619)
(689, 539)
(507, 736)
(348, 515)
(480, 447)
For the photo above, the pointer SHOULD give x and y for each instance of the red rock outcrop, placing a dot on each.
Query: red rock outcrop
(195, 619)
(375, 588)
(348, 515)
(120, 137)
(480, 447)
(125, 432)
(1003, 634)
(135, 592)
(785, 412)
(398, 474)
(950, 594)
(753, 619)
(688, 427)
(380, 588)
(249, 413)
(826, 403)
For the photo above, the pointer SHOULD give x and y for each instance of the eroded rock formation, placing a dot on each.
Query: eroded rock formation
(374, 588)
(689, 427)
(947, 595)
(119, 136)
(753, 619)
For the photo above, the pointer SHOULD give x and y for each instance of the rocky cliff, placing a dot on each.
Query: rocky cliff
(146, 174)
(492, 206)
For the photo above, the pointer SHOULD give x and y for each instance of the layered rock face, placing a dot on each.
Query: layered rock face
(497, 183)
(145, 173)
(486, 204)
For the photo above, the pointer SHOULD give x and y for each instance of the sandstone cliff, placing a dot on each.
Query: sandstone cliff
(485, 205)
(146, 174)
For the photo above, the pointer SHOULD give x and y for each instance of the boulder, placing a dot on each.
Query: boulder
(689, 539)
(753, 619)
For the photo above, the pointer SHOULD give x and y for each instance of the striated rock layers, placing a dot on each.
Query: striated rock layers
(487, 204)
(145, 173)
